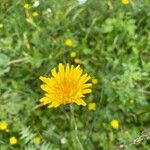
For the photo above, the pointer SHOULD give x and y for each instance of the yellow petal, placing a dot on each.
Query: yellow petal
(46, 88)
(85, 91)
(61, 67)
(80, 102)
(84, 79)
(46, 80)
(54, 104)
(45, 100)
(84, 86)
(78, 72)
(61, 72)
(53, 72)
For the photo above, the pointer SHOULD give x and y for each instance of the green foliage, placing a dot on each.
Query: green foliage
(112, 42)
(43, 146)
(27, 135)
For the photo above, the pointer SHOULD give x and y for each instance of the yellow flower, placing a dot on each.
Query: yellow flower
(68, 30)
(1, 25)
(77, 61)
(37, 140)
(7, 130)
(69, 43)
(12, 140)
(92, 106)
(125, 2)
(68, 85)
(94, 81)
(113, 83)
(115, 124)
(126, 133)
(26, 6)
(73, 54)
(131, 101)
(3, 125)
(35, 14)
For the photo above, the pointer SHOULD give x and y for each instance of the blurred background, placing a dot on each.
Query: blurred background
(108, 38)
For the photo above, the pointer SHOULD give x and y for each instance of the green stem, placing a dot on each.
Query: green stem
(74, 126)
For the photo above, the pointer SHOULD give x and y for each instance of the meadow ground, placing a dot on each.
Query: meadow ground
(110, 41)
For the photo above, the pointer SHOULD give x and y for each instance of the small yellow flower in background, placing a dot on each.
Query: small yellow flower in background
(94, 81)
(67, 85)
(115, 124)
(73, 54)
(77, 61)
(125, 2)
(68, 30)
(26, 6)
(92, 106)
(12, 140)
(113, 83)
(1, 25)
(3, 125)
(126, 133)
(37, 140)
(131, 101)
(69, 43)
(35, 14)
(7, 130)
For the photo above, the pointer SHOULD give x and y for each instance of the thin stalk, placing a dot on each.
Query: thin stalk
(74, 127)
(95, 117)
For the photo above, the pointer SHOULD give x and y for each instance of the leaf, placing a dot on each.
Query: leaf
(36, 58)
(27, 134)
(4, 59)
(14, 107)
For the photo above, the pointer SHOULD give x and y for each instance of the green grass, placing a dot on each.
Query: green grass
(112, 43)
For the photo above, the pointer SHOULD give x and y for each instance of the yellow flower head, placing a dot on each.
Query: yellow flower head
(12, 140)
(1, 25)
(37, 140)
(115, 124)
(77, 61)
(126, 2)
(73, 54)
(68, 30)
(113, 83)
(131, 101)
(3, 125)
(92, 106)
(68, 85)
(7, 130)
(126, 133)
(35, 14)
(69, 43)
(26, 6)
(94, 81)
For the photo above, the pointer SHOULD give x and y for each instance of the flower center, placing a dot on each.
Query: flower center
(67, 91)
